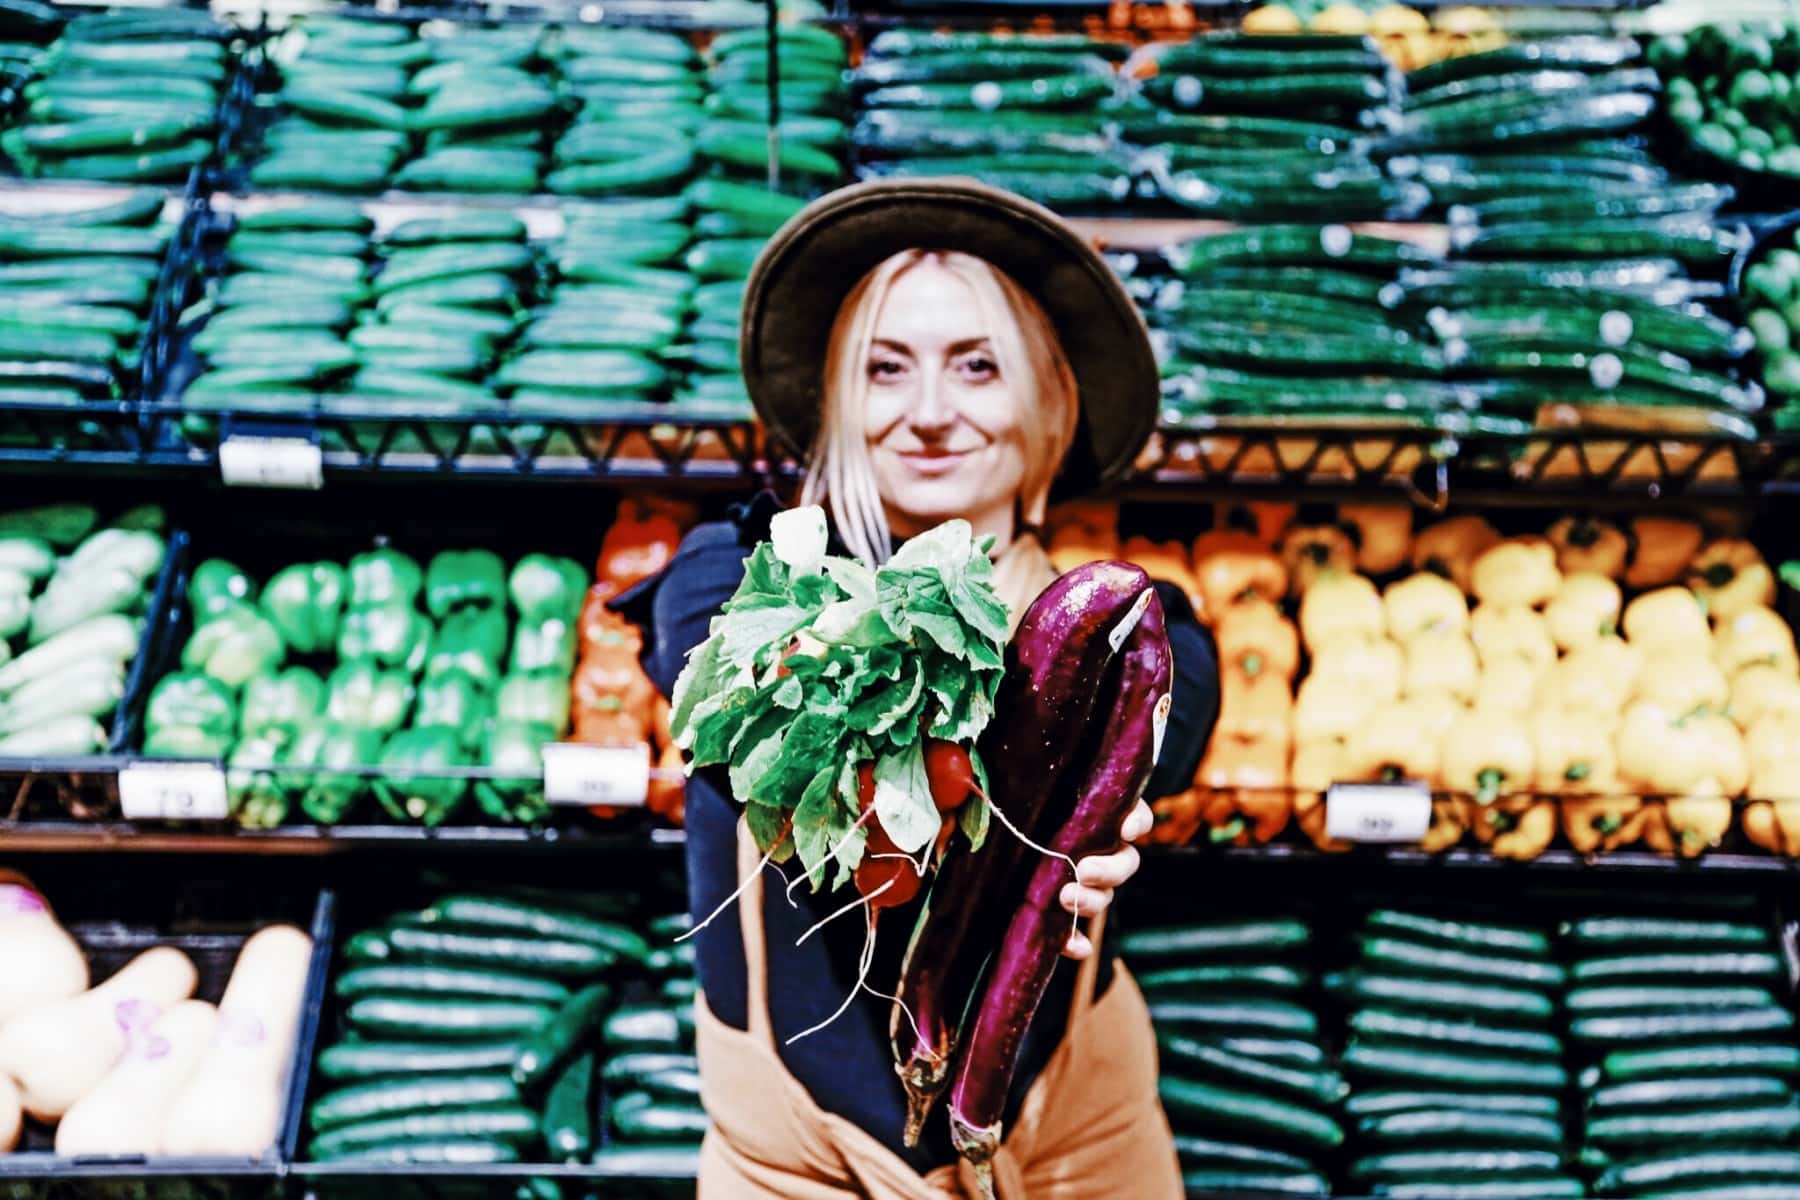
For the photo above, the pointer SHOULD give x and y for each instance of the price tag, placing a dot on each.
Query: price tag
(273, 462)
(1377, 812)
(173, 791)
(591, 775)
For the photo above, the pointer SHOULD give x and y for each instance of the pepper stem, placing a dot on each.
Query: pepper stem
(1577, 772)
(1252, 665)
(1609, 824)
(1230, 831)
(1488, 784)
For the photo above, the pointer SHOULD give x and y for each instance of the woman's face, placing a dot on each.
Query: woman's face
(943, 423)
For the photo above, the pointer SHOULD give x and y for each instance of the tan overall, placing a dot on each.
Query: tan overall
(1091, 1127)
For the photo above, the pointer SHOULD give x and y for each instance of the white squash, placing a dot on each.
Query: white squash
(12, 1117)
(39, 962)
(58, 1052)
(124, 1112)
(231, 1107)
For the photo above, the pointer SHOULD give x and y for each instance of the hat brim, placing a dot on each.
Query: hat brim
(804, 273)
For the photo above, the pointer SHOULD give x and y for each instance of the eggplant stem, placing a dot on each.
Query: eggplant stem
(859, 902)
(728, 901)
(863, 963)
(1018, 833)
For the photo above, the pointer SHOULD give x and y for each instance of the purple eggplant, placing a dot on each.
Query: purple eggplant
(1056, 662)
(1035, 935)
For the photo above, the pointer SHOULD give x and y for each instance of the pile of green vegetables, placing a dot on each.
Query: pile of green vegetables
(1249, 126)
(1023, 112)
(638, 93)
(497, 1027)
(76, 288)
(1731, 89)
(1690, 1090)
(1771, 300)
(1457, 1064)
(130, 95)
(73, 597)
(1247, 1085)
(380, 663)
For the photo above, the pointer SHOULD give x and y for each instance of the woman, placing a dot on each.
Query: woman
(938, 349)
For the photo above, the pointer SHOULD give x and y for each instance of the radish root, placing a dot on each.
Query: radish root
(864, 961)
(859, 902)
(833, 853)
(728, 901)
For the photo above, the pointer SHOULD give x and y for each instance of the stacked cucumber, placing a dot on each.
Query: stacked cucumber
(1692, 1093)
(125, 96)
(1732, 91)
(1457, 1066)
(639, 94)
(73, 596)
(76, 287)
(1249, 126)
(1029, 113)
(494, 1027)
(1291, 321)
(1247, 1087)
(1771, 301)
(733, 141)
(327, 671)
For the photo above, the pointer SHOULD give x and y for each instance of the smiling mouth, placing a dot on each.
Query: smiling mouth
(933, 461)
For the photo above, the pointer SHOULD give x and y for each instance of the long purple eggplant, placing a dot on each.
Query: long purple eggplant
(1056, 661)
(1027, 954)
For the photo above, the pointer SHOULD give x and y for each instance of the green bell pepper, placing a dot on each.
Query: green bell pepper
(256, 798)
(472, 641)
(392, 635)
(15, 607)
(294, 698)
(453, 700)
(152, 518)
(306, 602)
(320, 751)
(215, 586)
(234, 647)
(515, 748)
(29, 557)
(194, 701)
(362, 695)
(62, 525)
(384, 577)
(548, 645)
(537, 699)
(548, 588)
(186, 741)
(426, 798)
(463, 578)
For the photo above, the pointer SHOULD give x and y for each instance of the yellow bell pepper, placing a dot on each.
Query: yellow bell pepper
(1391, 19)
(1502, 633)
(1450, 817)
(1688, 826)
(1772, 737)
(1729, 575)
(1272, 18)
(1668, 618)
(1339, 604)
(1509, 685)
(1255, 639)
(1316, 766)
(1392, 744)
(1440, 664)
(1517, 828)
(1772, 818)
(1585, 544)
(1341, 17)
(1596, 823)
(1762, 688)
(1312, 551)
(1682, 681)
(1487, 754)
(1327, 708)
(1752, 637)
(1422, 603)
(1254, 708)
(1247, 779)
(1177, 817)
(1265, 520)
(1670, 753)
(1662, 550)
(1167, 561)
(1451, 547)
(1519, 572)
(1572, 755)
(1373, 667)
(1584, 610)
(1383, 535)
(1594, 681)
(1231, 565)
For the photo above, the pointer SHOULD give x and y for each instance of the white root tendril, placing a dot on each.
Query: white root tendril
(728, 901)
(860, 902)
(1020, 834)
(918, 1030)
(864, 961)
(829, 855)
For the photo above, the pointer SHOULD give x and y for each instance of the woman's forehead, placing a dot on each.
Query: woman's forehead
(930, 304)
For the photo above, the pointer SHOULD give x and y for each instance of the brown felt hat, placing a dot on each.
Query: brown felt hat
(807, 269)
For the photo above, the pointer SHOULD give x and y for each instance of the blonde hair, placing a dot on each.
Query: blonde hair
(1031, 360)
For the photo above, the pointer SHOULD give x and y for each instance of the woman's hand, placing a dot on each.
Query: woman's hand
(1098, 874)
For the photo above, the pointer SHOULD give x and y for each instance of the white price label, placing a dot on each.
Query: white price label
(1377, 812)
(173, 791)
(273, 462)
(590, 775)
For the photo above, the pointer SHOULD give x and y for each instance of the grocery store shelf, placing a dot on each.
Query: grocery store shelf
(52, 836)
(1618, 862)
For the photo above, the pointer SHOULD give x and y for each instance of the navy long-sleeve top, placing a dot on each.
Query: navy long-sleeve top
(848, 1066)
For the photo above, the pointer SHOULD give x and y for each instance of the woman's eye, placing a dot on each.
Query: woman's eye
(979, 367)
(885, 368)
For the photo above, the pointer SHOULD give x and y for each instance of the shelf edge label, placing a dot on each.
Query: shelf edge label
(1377, 812)
(173, 791)
(271, 462)
(586, 776)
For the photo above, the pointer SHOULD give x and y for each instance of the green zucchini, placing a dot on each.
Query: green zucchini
(1716, 1091)
(1391, 954)
(510, 1123)
(1218, 939)
(1464, 935)
(391, 1097)
(1190, 1103)
(1462, 1127)
(1188, 1057)
(1381, 1025)
(1770, 1123)
(1738, 966)
(375, 1059)
(1455, 1070)
(539, 956)
(641, 1117)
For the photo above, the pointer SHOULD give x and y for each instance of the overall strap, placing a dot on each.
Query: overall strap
(756, 956)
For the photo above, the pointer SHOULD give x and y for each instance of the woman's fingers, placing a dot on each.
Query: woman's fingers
(1085, 901)
(1079, 947)
(1108, 870)
(1138, 823)
(1098, 874)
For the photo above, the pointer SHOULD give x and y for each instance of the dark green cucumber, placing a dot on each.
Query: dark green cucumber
(1455, 1070)
(391, 1097)
(1678, 1026)
(1770, 1123)
(471, 226)
(490, 912)
(625, 1070)
(569, 1111)
(1689, 1168)
(1456, 1165)
(1275, 1017)
(651, 170)
(1300, 245)
(1381, 1025)
(1228, 977)
(1691, 239)
(1203, 1152)
(371, 1060)
(441, 981)
(1191, 1058)
(1643, 999)
(1065, 91)
(488, 290)
(1464, 935)
(1638, 933)
(500, 1122)
(1714, 1091)
(1220, 939)
(1559, 1187)
(1297, 1051)
(378, 1016)
(544, 1052)
(1736, 966)
(1392, 954)
(1377, 1101)
(673, 1162)
(1207, 1181)
(644, 1027)
(1514, 1005)
(641, 1117)
(1461, 1127)
(451, 1152)
(1680, 1062)
(1189, 1103)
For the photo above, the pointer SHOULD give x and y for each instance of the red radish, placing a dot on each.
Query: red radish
(883, 868)
(950, 773)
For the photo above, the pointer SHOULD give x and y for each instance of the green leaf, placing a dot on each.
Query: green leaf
(903, 800)
(979, 607)
(769, 829)
(859, 623)
(789, 693)
(944, 549)
(818, 825)
(880, 710)
(974, 822)
(813, 741)
(942, 628)
(854, 578)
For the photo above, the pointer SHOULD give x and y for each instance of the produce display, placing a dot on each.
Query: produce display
(1728, 89)
(384, 662)
(492, 1027)
(73, 596)
(1771, 302)
(1249, 1087)
(1406, 35)
(76, 288)
(133, 1064)
(125, 96)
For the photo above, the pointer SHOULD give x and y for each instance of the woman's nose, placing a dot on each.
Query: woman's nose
(931, 411)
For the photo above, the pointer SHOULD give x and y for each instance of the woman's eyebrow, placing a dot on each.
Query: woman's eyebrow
(891, 344)
(968, 344)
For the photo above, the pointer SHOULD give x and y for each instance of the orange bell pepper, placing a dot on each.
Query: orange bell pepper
(1518, 828)
(1662, 548)
(1383, 535)
(609, 723)
(1256, 639)
(1317, 765)
(668, 795)
(1309, 551)
(1598, 823)
(1449, 821)
(1451, 547)
(1178, 817)
(1266, 520)
(1167, 561)
(641, 541)
(1230, 565)
(1254, 708)
(1247, 778)
(1585, 544)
